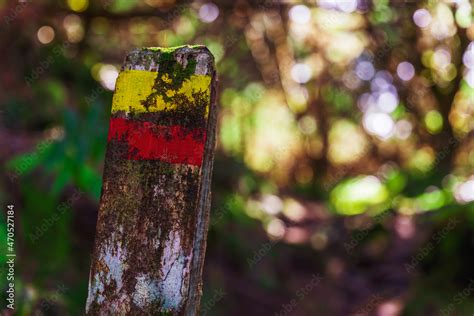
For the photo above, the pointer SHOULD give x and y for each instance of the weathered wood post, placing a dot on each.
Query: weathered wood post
(154, 209)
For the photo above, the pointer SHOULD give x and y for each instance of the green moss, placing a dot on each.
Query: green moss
(175, 71)
(169, 66)
(171, 49)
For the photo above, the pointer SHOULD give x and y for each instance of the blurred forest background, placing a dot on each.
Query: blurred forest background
(343, 181)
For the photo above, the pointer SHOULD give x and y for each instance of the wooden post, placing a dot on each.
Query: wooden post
(154, 209)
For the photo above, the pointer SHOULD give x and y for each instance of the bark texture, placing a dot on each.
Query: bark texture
(154, 209)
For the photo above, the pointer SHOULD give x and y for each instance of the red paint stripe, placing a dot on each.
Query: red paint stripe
(149, 141)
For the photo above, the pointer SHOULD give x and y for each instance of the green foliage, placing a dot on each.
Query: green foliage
(358, 195)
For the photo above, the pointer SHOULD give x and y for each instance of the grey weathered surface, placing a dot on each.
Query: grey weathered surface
(154, 213)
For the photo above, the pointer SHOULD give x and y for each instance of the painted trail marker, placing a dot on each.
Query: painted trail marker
(154, 209)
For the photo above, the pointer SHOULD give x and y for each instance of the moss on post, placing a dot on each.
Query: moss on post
(154, 208)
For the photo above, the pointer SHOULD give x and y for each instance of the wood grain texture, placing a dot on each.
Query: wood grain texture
(154, 209)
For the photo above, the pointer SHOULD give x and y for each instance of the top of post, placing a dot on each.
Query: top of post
(150, 59)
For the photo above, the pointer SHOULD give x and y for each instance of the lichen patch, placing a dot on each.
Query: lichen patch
(174, 271)
(146, 291)
(202, 64)
(112, 257)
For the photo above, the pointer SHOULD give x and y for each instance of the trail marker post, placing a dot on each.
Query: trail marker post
(154, 208)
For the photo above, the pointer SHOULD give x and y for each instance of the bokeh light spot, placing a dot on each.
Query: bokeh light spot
(365, 70)
(405, 71)
(275, 228)
(78, 5)
(434, 122)
(301, 73)
(208, 12)
(383, 82)
(271, 204)
(465, 191)
(422, 18)
(355, 195)
(441, 58)
(74, 29)
(347, 6)
(469, 77)
(45, 34)
(307, 125)
(403, 129)
(379, 124)
(387, 102)
(463, 15)
(468, 57)
(300, 14)
(347, 142)
(108, 75)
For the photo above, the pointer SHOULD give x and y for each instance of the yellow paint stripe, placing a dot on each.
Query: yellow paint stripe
(134, 86)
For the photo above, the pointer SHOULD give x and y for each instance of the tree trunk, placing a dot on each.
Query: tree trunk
(154, 209)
